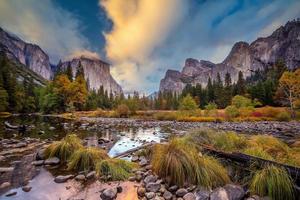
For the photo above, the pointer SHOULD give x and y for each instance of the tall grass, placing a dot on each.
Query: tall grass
(179, 162)
(229, 141)
(116, 168)
(258, 152)
(274, 182)
(85, 159)
(63, 149)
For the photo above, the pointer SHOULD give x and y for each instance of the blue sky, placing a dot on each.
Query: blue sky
(143, 38)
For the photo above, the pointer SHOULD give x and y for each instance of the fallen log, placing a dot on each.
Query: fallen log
(248, 159)
(130, 151)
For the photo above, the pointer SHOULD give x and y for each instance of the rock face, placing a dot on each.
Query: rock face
(30, 55)
(283, 44)
(96, 73)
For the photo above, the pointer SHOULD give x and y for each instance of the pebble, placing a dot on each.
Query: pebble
(26, 188)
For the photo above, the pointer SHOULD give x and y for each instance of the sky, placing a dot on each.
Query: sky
(141, 39)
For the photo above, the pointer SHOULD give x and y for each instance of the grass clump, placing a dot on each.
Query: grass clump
(85, 159)
(179, 162)
(118, 169)
(63, 149)
(274, 182)
(229, 141)
(258, 152)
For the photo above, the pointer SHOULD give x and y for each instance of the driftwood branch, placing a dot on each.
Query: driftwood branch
(248, 159)
(130, 151)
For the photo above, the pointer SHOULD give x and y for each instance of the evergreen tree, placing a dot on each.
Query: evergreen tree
(227, 90)
(69, 72)
(80, 70)
(210, 91)
(240, 85)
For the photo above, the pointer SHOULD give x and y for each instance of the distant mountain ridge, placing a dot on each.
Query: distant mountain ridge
(33, 58)
(283, 44)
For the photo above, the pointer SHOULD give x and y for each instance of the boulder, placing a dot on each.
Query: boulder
(181, 192)
(150, 179)
(167, 195)
(143, 162)
(153, 187)
(235, 192)
(189, 196)
(202, 194)
(52, 161)
(80, 177)
(62, 179)
(219, 194)
(173, 188)
(134, 158)
(141, 191)
(38, 162)
(150, 195)
(109, 194)
(40, 155)
(26, 188)
(91, 175)
(5, 185)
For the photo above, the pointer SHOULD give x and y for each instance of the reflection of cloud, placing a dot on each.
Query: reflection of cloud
(84, 53)
(43, 23)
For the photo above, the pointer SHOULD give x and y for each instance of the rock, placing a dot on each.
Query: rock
(173, 188)
(80, 177)
(21, 144)
(119, 189)
(191, 188)
(150, 195)
(189, 196)
(6, 169)
(134, 158)
(138, 177)
(167, 195)
(52, 161)
(51, 128)
(219, 194)
(38, 162)
(62, 179)
(150, 179)
(141, 191)
(2, 158)
(91, 175)
(202, 194)
(235, 192)
(40, 155)
(11, 193)
(143, 162)
(26, 188)
(109, 194)
(41, 132)
(132, 178)
(5, 185)
(153, 187)
(181, 192)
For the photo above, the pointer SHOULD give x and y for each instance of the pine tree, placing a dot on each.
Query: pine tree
(69, 72)
(240, 85)
(210, 91)
(80, 70)
(227, 90)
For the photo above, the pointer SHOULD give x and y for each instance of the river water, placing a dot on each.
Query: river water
(115, 140)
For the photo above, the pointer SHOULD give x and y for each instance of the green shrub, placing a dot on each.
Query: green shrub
(118, 169)
(274, 182)
(211, 109)
(85, 159)
(63, 149)
(188, 103)
(179, 162)
(231, 112)
(241, 101)
(283, 116)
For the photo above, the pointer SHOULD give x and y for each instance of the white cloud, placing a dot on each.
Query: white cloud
(83, 53)
(139, 26)
(43, 23)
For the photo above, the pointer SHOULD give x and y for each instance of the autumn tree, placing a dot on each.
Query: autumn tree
(188, 103)
(289, 88)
